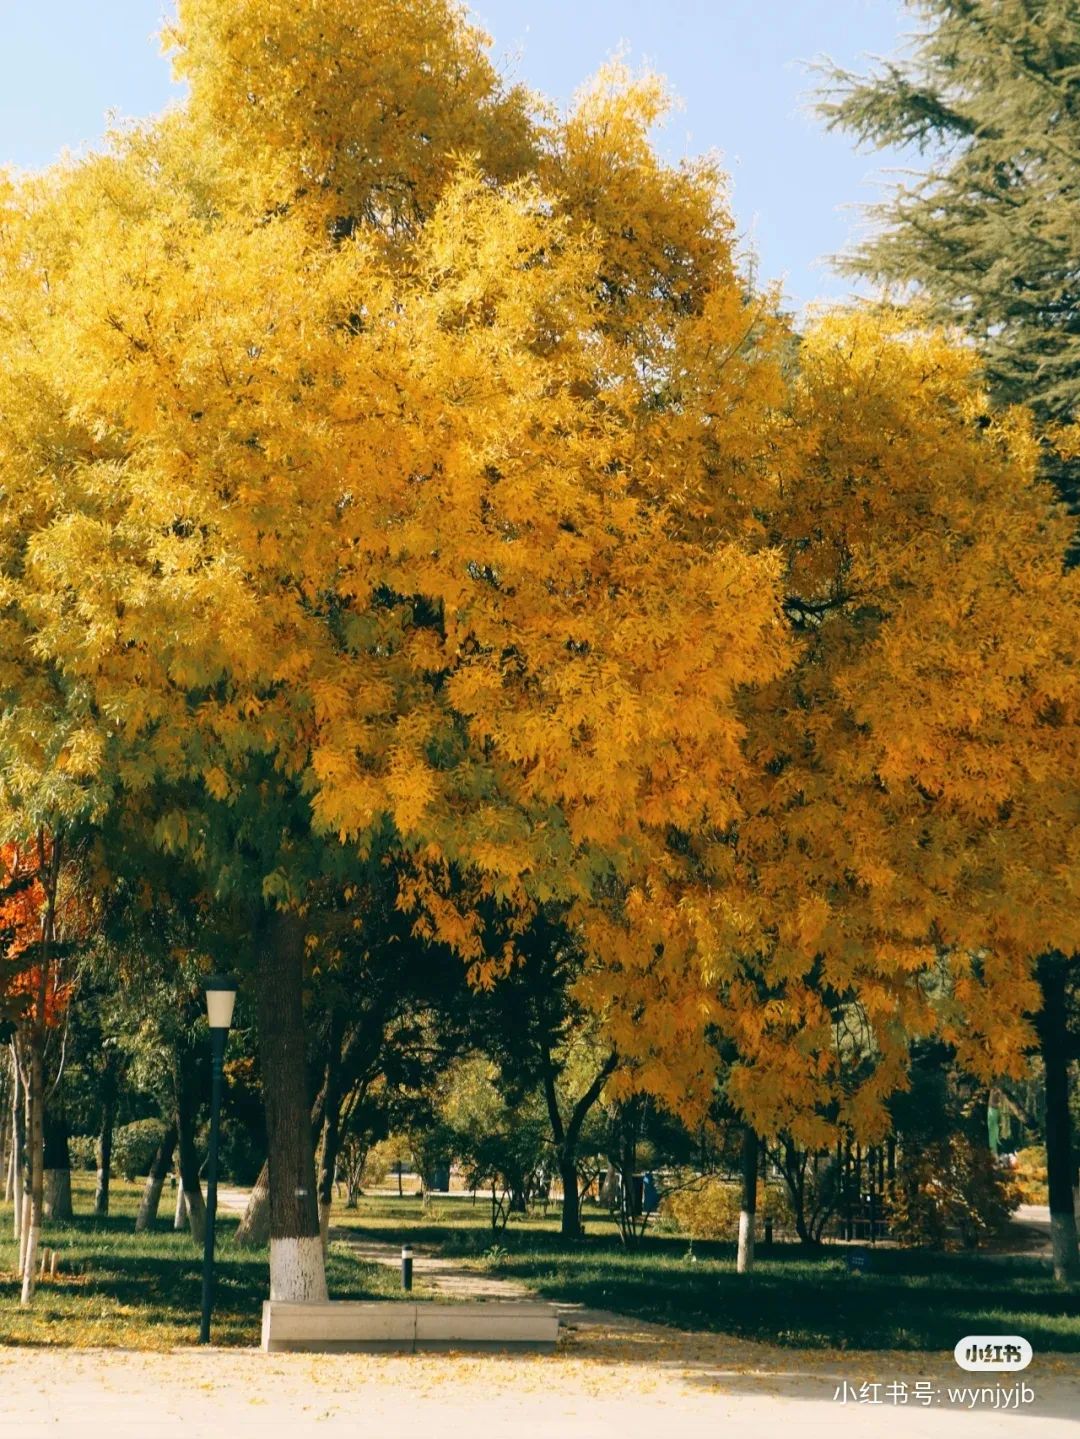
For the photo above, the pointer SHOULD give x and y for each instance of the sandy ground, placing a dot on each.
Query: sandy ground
(636, 1382)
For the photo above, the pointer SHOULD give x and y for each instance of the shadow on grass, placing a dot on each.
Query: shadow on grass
(120, 1289)
(797, 1298)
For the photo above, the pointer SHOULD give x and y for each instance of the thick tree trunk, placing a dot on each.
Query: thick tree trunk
(748, 1209)
(57, 1160)
(571, 1205)
(155, 1181)
(1054, 1038)
(104, 1146)
(297, 1264)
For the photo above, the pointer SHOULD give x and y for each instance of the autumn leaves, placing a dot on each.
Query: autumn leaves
(389, 463)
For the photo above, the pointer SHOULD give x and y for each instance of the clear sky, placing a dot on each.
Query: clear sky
(738, 66)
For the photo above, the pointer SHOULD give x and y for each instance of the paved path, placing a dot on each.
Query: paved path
(637, 1384)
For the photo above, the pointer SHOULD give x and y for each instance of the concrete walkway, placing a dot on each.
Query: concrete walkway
(636, 1383)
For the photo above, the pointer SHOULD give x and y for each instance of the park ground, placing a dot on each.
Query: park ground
(108, 1349)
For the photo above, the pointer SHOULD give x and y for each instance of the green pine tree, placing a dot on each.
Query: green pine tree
(988, 91)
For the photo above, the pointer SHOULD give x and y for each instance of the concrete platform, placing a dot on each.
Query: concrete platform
(403, 1327)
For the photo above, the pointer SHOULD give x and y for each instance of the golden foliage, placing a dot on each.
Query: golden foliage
(371, 434)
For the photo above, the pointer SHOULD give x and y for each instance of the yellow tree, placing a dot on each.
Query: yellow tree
(909, 839)
(344, 526)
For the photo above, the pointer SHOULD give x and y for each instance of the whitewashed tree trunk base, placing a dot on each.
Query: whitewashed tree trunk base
(745, 1261)
(30, 1261)
(298, 1270)
(24, 1232)
(195, 1209)
(180, 1217)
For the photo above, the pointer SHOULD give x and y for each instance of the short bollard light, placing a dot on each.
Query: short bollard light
(220, 998)
(406, 1266)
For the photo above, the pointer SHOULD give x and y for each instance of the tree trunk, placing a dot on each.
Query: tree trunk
(17, 1135)
(571, 1204)
(8, 1083)
(331, 1146)
(180, 1213)
(104, 1146)
(187, 1109)
(57, 1160)
(36, 1144)
(297, 1263)
(49, 878)
(254, 1228)
(748, 1209)
(568, 1135)
(253, 1231)
(155, 1181)
(1054, 1038)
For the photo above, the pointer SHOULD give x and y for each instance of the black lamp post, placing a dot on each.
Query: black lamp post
(220, 998)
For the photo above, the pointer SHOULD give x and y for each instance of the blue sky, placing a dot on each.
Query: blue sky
(738, 66)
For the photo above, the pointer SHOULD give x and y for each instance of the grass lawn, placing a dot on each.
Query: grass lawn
(806, 1300)
(123, 1290)
(144, 1291)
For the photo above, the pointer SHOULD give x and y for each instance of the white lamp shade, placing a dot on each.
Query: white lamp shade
(220, 1000)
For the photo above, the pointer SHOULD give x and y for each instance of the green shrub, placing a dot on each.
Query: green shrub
(134, 1146)
(82, 1150)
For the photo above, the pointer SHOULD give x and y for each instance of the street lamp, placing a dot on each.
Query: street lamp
(220, 998)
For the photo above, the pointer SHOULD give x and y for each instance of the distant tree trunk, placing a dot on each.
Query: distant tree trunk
(187, 1108)
(330, 1148)
(155, 1181)
(105, 1139)
(748, 1209)
(297, 1263)
(254, 1228)
(1054, 1040)
(180, 1213)
(7, 1084)
(33, 1215)
(567, 1135)
(57, 1162)
(49, 879)
(18, 1100)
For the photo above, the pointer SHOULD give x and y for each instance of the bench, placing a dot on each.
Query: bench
(381, 1326)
